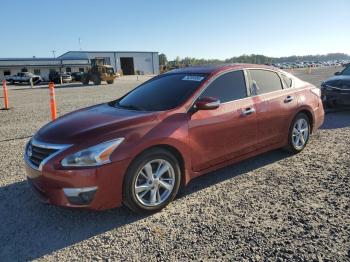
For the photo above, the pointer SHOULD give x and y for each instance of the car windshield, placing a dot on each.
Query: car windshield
(161, 93)
(346, 71)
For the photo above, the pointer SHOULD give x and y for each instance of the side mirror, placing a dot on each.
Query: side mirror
(207, 103)
(337, 73)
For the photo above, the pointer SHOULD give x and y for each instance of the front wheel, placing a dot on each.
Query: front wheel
(96, 80)
(85, 80)
(110, 82)
(152, 181)
(299, 133)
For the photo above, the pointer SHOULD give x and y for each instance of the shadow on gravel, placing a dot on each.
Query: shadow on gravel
(29, 229)
(338, 118)
(232, 171)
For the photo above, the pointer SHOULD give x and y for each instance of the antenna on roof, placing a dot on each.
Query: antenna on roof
(54, 53)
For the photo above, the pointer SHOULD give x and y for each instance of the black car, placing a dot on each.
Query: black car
(56, 77)
(76, 76)
(336, 90)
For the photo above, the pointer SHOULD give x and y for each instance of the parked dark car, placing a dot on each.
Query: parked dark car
(77, 76)
(336, 90)
(56, 77)
(139, 149)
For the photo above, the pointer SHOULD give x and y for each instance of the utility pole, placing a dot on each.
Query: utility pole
(79, 40)
(54, 53)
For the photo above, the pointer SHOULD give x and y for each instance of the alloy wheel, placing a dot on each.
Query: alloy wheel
(154, 182)
(300, 133)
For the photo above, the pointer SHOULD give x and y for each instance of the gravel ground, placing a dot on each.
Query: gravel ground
(275, 206)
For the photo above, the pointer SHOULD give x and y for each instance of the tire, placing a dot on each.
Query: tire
(96, 80)
(85, 80)
(110, 82)
(133, 178)
(296, 145)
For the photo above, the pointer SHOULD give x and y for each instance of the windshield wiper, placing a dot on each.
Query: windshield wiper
(132, 107)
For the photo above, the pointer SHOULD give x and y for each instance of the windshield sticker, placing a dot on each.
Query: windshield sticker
(193, 78)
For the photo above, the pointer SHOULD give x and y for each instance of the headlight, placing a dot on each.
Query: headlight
(93, 156)
(326, 87)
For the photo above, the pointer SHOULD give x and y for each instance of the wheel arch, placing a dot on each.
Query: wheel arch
(310, 116)
(177, 154)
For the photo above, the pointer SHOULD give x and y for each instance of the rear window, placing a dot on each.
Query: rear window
(263, 81)
(161, 93)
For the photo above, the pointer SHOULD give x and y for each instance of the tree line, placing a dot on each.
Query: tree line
(251, 59)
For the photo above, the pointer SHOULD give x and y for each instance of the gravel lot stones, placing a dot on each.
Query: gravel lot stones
(275, 206)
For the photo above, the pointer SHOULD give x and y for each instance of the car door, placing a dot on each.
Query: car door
(230, 130)
(16, 78)
(275, 106)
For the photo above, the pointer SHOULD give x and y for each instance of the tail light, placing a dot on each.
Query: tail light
(316, 91)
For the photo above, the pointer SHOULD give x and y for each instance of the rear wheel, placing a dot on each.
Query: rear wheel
(299, 133)
(96, 80)
(152, 181)
(110, 82)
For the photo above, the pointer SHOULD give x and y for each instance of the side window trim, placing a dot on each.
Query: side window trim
(247, 82)
(285, 86)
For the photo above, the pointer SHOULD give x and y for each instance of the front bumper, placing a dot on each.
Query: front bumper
(92, 188)
(337, 97)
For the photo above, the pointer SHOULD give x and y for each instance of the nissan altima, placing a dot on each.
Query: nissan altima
(138, 150)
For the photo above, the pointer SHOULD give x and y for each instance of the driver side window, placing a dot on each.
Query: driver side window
(227, 87)
(346, 71)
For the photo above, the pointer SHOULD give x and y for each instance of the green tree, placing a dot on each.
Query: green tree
(163, 61)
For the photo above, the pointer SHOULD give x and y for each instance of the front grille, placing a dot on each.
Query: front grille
(37, 154)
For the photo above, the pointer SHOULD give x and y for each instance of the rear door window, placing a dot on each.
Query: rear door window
(227, 87)
(264, 81)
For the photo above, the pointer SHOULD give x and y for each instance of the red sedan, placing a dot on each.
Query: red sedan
(139, 149)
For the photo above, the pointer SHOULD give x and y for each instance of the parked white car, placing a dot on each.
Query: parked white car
(24, 77)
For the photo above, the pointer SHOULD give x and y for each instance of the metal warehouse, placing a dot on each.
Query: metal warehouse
(127, 63)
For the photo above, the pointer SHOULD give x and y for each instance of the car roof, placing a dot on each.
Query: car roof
(212, 69)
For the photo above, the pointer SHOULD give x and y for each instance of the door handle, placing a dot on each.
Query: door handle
(288, 99)
(248, 111)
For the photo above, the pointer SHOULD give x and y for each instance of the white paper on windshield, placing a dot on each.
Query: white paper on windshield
(193, 78)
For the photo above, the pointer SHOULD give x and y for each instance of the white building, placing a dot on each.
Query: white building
(128, 63)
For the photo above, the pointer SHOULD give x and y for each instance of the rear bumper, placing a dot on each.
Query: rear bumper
(93, 188)
(318, 117)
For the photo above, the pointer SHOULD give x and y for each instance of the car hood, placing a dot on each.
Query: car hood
(97, 122)
(338, 80)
